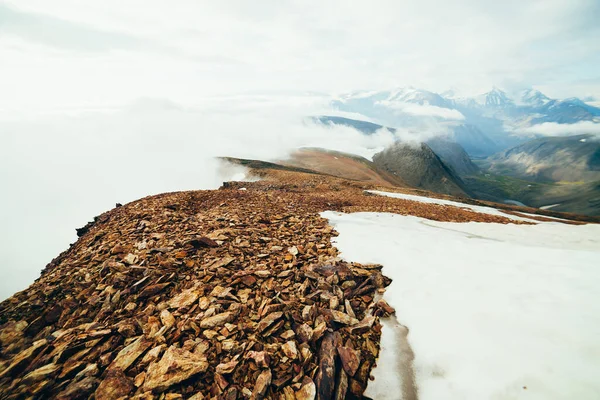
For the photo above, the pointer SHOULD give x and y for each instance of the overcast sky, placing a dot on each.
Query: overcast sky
(109, 101)
(73, 53)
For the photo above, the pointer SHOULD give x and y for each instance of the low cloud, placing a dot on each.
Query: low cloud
(423, 110)
(59, 171)
(555, 129)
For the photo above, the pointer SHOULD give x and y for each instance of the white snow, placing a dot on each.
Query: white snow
(543, 216)
(494, 311)
(549, 206)
(429, 200)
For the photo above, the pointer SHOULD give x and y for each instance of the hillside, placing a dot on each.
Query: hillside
(448, 150)
(550, 159)
(420, 167)
(231, 293)
(343, 165)
(453, 155)
(209, 293)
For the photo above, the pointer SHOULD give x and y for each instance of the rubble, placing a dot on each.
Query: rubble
(207, 295)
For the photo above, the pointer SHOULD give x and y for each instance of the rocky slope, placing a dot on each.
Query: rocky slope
(453, 155)
(419, 166)
(550, 159)
(343, 165)
(207, 294)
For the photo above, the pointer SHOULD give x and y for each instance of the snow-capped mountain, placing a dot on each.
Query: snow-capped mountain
(534, 98)
(495, 98)
(496, 117)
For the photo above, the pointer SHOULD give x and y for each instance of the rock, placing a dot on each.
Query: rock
(184, 299)
(41, 373)
(268, 320)
(130, 353)
(341, 387)
(152, 290)
(167, 319)
(304, 333)
(261, 358)
(226, 368)
(364, 325)
(130, 259)
(142, 299)
(153, 354)
(11, 332)
(175, 366)
(217, 320)
(139, 379)
(308, 390)
(350, 359)
(290, 350)
(79, 389)
(325, 380)
(262, 385)
(343, 318)
(384, 308)
(114, 386)
(203, 242)
(21, 359)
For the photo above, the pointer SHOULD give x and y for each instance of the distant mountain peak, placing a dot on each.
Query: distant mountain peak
(534, 97)
(496, 98)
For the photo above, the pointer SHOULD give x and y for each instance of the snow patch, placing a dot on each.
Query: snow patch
(494, 311)
(549, 206)
(429, 200)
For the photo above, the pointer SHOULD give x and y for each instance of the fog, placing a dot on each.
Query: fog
(58, 171)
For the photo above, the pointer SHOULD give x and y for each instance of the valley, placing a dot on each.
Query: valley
(490, 147)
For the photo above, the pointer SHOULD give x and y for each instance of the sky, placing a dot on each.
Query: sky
(105, 102)
(74, 54)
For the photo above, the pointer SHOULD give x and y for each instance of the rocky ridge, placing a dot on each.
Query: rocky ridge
(234, 293)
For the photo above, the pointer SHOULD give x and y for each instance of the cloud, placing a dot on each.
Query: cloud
(423, 110)
(59, 171)
(555, 129)
(63, 34)
(286, 45)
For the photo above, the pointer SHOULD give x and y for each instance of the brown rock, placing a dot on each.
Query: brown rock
(203, 242)
(19, 361)
(167, 319)
(290, 350)
(226, 368)
(176, 365)
(325, 380)
(152, 290)
(268, 320)
(184, 299)
(350, 359)
(41, 373)
(341, 387)
(308, 390)
(304, 333)
(129, 354)
(343, 318)
(115, 385)
(262, 385)
(217, 320)
(261, 358)
(79, 389)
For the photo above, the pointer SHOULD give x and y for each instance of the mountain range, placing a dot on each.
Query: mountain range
(489, 147)
(482, 125)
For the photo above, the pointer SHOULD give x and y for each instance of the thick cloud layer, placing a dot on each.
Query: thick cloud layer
(555, 129)
(57, 172)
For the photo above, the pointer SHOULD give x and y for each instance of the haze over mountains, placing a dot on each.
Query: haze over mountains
(526, 148)
(483, 124)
